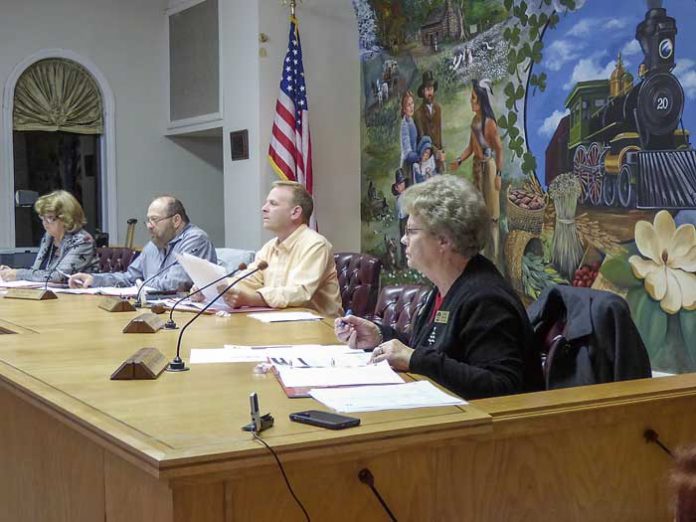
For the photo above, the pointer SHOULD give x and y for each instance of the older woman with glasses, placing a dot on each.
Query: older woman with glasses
(65, 248)
(472, 336)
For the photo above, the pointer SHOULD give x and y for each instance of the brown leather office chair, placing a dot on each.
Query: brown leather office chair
(115, 259)
(397, 307)
(358, 280)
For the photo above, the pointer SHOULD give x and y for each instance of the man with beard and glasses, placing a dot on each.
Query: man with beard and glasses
(171, 233)
(428, 118)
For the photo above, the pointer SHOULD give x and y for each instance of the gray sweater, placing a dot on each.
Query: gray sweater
(76, 253)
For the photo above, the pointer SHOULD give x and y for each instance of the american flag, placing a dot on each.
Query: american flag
(290, 151)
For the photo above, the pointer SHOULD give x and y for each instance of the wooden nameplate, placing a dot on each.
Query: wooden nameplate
(144, 323)
(34, 294)
(146, 363)
(116, 304)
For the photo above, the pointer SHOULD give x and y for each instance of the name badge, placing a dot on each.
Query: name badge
(442, 317)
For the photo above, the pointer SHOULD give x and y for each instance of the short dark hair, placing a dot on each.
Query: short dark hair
(175, 206)
(300, 197)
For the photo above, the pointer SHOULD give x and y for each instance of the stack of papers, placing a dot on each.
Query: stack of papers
(279, 317)
(20, 284)
(419, 394)
(128, 291)
(320, 377)
(303, 355)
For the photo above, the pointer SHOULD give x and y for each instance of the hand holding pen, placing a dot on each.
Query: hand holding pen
(357, 332)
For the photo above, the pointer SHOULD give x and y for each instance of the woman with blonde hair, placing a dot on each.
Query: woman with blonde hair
(66, 248)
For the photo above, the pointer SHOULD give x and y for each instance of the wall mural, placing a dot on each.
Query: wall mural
(586, 108)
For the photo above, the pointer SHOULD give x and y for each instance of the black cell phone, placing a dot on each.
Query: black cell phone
(324, 419)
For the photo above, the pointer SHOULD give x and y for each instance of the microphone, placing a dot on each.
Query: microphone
(170, 324)
(160, 272)
(177, 365)
(46, 291)
(48, 278)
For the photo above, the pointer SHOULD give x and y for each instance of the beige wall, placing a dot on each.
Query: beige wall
(332, 69)
(126, 41)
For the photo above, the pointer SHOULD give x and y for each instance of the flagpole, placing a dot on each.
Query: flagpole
(293, 6)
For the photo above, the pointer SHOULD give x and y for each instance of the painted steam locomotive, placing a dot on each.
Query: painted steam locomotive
(627, 144)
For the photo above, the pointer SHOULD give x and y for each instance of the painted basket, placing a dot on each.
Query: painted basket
(519, 218)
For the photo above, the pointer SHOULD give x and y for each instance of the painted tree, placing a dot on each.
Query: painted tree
(367, 25)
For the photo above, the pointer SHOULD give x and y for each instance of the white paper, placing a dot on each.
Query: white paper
(191, 306)
(279, 317)
(202, 272)
(318, 377)
(225, 355)
(352, 359)
(21, 284)
(127, 291)
(301, 355)
(419, 394)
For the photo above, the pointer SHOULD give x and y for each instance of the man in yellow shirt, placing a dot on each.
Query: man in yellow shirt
(301, 269)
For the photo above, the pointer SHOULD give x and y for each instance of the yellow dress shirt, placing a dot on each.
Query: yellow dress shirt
(301, 272)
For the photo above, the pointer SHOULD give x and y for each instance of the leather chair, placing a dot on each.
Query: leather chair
(397, 307)
(115, 259)
(358, 281)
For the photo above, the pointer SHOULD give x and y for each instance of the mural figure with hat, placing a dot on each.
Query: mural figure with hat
(487, 149)
(397, 189)
(428, 117)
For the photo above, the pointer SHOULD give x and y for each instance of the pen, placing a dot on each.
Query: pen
(62, 273)
(348, 312)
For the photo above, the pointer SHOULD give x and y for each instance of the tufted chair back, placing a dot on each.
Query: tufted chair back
(358, 281)
(115, 259)
(397, 307)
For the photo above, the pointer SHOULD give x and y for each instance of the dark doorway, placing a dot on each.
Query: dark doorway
(47, 161)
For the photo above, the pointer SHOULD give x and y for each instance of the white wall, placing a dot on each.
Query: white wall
(332, 71)
(126, 41)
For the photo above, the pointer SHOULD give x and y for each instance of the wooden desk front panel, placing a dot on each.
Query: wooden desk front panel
(75, 446)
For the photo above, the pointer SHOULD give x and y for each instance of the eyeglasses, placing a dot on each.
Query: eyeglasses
(48, 219)
(154, 220)
(412, 230)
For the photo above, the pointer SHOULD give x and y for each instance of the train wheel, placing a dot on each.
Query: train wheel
(625, 189)
(594, 155)
(609, 191)
(580, 170)
(596, 190)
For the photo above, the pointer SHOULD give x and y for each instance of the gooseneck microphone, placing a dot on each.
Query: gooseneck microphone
(170, 324)
(160, 272)
(177, 365)
(48, 278)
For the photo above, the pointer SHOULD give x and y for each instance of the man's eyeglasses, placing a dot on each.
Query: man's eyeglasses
(155, 219)
(48, 219)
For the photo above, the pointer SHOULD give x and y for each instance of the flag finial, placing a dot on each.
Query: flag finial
(292, 4)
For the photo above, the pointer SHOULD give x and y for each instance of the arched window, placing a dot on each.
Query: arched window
(58, 124)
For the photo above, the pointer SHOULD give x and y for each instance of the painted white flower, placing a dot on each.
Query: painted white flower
(669, 268)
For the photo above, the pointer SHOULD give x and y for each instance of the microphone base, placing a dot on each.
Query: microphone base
(171, 325)
(177, 366)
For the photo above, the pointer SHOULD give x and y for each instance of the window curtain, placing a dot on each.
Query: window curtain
(58, 95)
